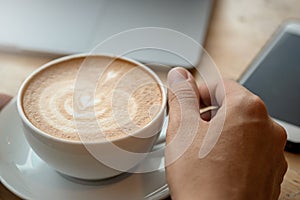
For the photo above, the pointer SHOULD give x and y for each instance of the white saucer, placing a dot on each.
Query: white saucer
(26, 175)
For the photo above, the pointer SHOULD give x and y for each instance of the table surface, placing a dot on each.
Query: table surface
(238, 30)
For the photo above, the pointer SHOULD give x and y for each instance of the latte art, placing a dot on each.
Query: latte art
(126, 98)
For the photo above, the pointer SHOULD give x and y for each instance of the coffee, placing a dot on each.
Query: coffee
(126, 98)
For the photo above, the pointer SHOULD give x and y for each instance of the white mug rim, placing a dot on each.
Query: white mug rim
(79, 142)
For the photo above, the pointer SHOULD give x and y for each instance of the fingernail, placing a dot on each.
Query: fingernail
(177, 75)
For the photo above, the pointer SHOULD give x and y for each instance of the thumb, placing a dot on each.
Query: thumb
(183, 96)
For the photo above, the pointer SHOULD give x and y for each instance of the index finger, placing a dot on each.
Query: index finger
(215, 94)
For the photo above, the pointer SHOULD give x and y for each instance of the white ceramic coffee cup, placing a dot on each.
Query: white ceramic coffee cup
(73, 158)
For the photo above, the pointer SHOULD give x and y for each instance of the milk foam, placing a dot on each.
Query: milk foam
(123, 102)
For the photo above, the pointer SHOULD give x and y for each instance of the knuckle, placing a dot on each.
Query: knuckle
(257, 105)
(182, 95)
(285, 165)
(281, 134)
(253, 106)
(282, 169)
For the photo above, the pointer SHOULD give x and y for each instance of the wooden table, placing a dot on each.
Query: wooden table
(238, 30)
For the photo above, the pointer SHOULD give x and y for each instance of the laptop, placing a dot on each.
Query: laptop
(151, 31)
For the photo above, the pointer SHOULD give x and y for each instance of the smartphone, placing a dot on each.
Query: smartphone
(274, 75)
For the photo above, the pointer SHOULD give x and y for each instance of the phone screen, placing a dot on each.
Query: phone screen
(277, 79)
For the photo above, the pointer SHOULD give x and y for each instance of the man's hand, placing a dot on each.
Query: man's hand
(4, 99)
(247, 162)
